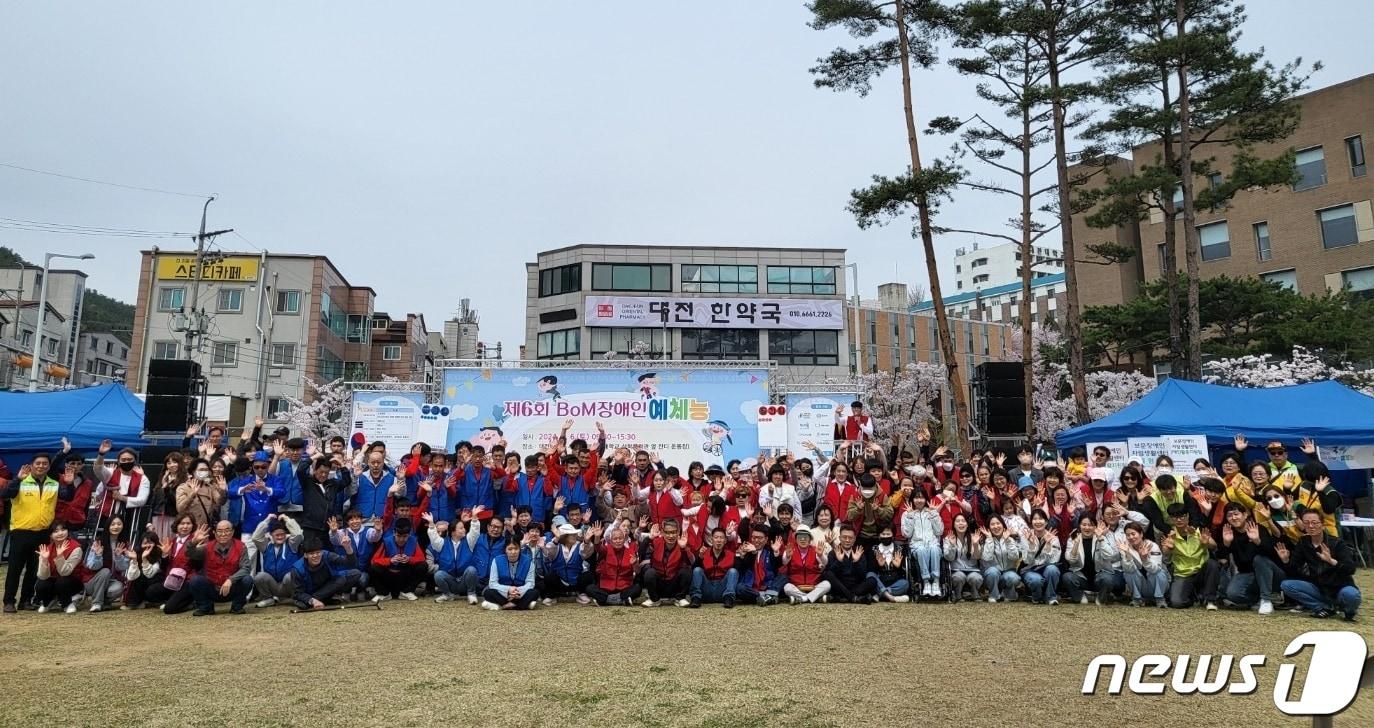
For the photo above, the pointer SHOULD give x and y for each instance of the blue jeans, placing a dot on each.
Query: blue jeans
(896, 589)
(472, 582)
(1247, 589)
(998, 581)
(1145, 585)
(1107, 584)
(757, 592)
(449, 584)
(1042, 586)
(713, 590)
(1312, 598)
(928, 559)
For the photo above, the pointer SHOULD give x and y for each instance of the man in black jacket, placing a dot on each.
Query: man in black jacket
(1325, 566)
(848, 570)
(322, 480)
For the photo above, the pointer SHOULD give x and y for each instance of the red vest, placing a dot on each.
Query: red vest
(73, 512)
(218, 568)
(716, 566)
(135, 483)
(178, 558)
(662, 507)
(64, 551)
(851, 427)
(804, 568)
(667, 565)
(616, 568)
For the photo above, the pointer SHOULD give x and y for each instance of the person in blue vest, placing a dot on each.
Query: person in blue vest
(374, 485)
(277, 553)
(431, 486)
(362, 537)
(567, 572)
(524, 489)
(320, 576)
(398, 565)
(757, 564)
(287, 463)
(569, 484)
(485, 545)
(473, 482)
(252, 497)
(510, 581)
(448, 557)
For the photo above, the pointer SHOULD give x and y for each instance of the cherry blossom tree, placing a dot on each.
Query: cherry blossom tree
(324, 415)
(901, 402)
(1302, 366)
(1052, 400)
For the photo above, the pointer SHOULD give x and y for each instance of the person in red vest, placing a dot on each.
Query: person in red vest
(715, 579)
(616, 568)
(61, 573)
(168, 568)
(856, 427)
(662, 501)
(225, 571)
(665, 561)
(72, 511)
(801, 568)
(123, 488)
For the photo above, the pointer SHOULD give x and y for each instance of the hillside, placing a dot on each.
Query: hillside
(99, 313)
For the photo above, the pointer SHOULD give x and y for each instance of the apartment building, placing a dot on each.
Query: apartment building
(20, 288)
(400, 348)
(978, 268)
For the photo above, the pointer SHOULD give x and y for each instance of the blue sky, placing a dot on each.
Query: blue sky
(432, 148)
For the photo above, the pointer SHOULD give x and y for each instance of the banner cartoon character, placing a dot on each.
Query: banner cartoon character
(715, 431)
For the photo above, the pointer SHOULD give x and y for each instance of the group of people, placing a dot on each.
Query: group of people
(279, 520)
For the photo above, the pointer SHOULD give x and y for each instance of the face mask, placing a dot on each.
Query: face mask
(202, 474)
(1163, 470)
(885, 540)
(947, 466)
(127, 467)
(868, 492)
(1276, 502)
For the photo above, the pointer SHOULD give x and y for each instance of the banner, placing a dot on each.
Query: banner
(1182, 449)
(225, 270)
(685, 415)
(392, 417)
(715, 313)
(1348, 457)
(1115, 463)
(811, 418)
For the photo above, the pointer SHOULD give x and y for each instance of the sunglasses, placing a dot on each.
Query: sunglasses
(1276, 451)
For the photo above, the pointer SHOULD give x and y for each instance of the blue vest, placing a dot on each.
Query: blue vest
(277, 565)
(574, 491)
(337, 567)
(370, 500)
(362, 548)
(537, 502)
(486, 550)
(291, 485)
(522, 569)
(568, 569)
(476, 491)
(449, 558)
(389, 543)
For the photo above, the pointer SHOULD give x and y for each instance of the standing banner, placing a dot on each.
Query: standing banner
(685, 415)
(811, 418)
(432, 428)
(1182, 449)
(1116, 462)
(392, 417)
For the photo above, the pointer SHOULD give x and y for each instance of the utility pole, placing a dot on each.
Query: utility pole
(196, 323)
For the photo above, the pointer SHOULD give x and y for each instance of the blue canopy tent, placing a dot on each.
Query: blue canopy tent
(32, 422)
(1328, 412)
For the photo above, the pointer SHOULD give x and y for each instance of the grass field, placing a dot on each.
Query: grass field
(420, 663)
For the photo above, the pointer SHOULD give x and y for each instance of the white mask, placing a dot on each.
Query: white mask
(1276, 502)
(1163, 470)
(202, 474)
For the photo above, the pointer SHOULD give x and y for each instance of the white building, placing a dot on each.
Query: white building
(980, 268)
(100, 359)
(19, 291)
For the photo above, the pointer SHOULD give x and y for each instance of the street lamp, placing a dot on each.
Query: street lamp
(42, 314)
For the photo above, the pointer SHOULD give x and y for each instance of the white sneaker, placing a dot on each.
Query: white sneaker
(992, 600)
(548, 601)
(903, 599)
(71, 608)
(1083, 599)
(684, 602)
(1211, 606)
(472, 599)
(488, 605)
(442, 598)
(265, 603)
(649, 602)
(1266, 607)
(583, 599)
(533, 605)
(96, 607)
(790, 600)
(409, 596)
(42, 609)
(380, 598)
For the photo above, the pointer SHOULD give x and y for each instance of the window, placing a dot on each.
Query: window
(1338, 226)
(391, 352)
(1163, 262)
(283, 355)
(1287, 278)
(332, 316)
(958, 268)
(632, 277)
(631, 343)
(1311, 166)
(1262, 241)
(330, 366)
(355, 371)
(27, 339)
(720, 344)
(982, 278)
(163, 349)
(978, 263)
(170, 299)
(1354, 148)
(563, 279)
(811, 348)
(564, 344)
(288, 302)
(359, 330)
(1215, 240)
(720, 278)
(380, 323)
(1213, 180)
(230, 300)
(1360, 282)
(109, 348)
(124, 352)
(958, 285)
(277, 407)
(801, 279)
(226, 354)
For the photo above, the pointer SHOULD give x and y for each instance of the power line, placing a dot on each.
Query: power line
(40, 226)
(100, 182)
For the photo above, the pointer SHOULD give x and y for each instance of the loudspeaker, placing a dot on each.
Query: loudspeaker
(169, 386)
(999, 396)
(173, 368)
(169, 413)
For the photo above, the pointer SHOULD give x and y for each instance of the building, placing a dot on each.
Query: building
(691, 303)
(981, 268)
(400, 349)
(1001, 303)
(275, 321)
(20, 288)
(1314, 236)
(100, 358)
(890, 335)
(462, 333)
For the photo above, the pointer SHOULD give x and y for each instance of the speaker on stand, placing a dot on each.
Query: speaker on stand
(999, 398)
(174, 395)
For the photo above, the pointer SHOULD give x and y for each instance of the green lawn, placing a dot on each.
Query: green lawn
(420, 663)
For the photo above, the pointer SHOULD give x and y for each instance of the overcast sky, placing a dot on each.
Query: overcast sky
(431, 149)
